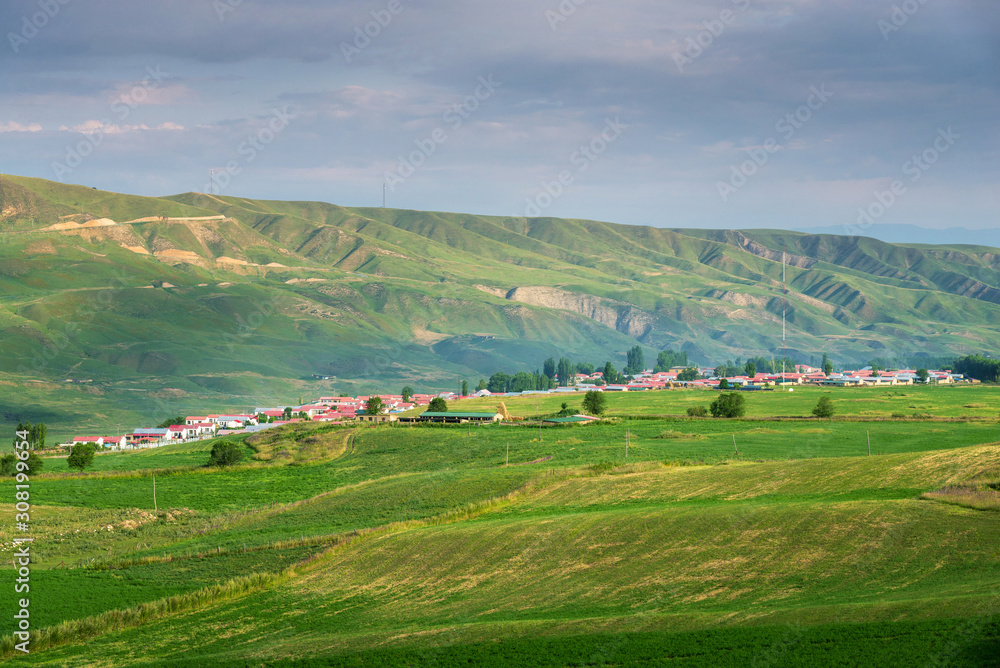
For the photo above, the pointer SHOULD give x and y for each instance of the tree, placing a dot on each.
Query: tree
(585, 368)
(923, 375)
(594, 402)
(824, 408)
(9, 464)
(549, 368)
(667, 359)
(438, 405)
(374, 406)
(611, 376)
(82, 455)
(407, 394)
(689, 374)
(482, 385)
(225, 453)
(288, 412)
(728, 405)
(170, 422)
(567, 372)
(827, 365)
(978, 367)
(636, 363)
(697, 411)
(465, 388)
(498, 383)
(724, 384)
(750, 369)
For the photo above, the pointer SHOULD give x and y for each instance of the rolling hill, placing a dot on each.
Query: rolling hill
(158, 304)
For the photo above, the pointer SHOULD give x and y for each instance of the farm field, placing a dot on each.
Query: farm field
(419, 546)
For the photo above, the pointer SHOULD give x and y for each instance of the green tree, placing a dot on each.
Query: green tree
(827, 365)
(697, 411)
(374, 405)
(724, 384)
(585, 368)
(225, 453)
(750, 369)
(465, 388)
(667, 359)
(482, 385)
(566, 372)
(728, 405)
(170, 422)
(549, 368)
(498, 383)
(824, 408)
(407, 394)
(923, 375)
(594, 402)
(288, 412)
(438, 405)
(611, 376)
(636, 362)
(689, 374)
(82, 455)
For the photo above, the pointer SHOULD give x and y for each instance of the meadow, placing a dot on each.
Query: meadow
(418, 545)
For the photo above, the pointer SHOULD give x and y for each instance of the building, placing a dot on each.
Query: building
(460, 418)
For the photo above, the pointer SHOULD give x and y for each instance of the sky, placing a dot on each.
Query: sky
(687, 113)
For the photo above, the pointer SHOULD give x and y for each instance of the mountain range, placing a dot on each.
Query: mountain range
(248, 300)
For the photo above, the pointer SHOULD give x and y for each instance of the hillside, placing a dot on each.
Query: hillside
(179, 300)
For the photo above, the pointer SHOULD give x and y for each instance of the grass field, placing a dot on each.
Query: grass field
(418, 546)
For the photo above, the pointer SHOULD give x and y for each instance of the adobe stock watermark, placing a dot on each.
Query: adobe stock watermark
(695, 46)
(914, 168)
(899, 17)
(787, 127)
(585, 156)
(251, 147)
(454, 118)
(35, 23)
(364, 34)
(562, 13)
(122, 108)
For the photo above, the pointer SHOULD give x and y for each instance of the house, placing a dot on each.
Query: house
(99, 440)
(193, 419)
(148, 437)
(377, 419)
(460, 418)
(203, 428)
(116, 442)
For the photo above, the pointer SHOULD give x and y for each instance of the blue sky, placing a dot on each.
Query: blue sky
(720, 113)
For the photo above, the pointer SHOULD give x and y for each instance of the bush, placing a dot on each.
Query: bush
(824, 408)
(697, 411)
(594, 402)
(225, 453)
(82, 455)
(729, 405)
(438, 405)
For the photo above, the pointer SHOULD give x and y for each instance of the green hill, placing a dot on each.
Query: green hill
(197, 298)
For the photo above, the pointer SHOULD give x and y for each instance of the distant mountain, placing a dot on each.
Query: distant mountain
(231, 297)
(912, 234)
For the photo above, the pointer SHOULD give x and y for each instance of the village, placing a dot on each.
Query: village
(347, 409)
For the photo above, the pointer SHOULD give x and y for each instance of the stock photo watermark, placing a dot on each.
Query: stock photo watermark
(899, 17)
(251, 147)
(22, 558)
(371, 30)
(454, 118)
(914, 169)
(33, 24)
(581, 159)
(95, 134)
(562, 13)
(758, 156)
(695, 47)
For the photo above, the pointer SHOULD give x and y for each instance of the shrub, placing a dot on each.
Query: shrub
(824, 408)
(697, 411)
(594, 402)
(729, 405)
(82, 455)
(438, 405)
(225, 453)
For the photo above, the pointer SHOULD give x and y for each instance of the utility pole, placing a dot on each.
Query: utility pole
(735, 449)
(211, 182)
(155, 507)
(383, 194)
(507, 461)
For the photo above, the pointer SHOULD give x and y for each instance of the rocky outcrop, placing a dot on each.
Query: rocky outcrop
(623, 317)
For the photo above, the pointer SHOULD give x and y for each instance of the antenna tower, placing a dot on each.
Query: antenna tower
(784, 309)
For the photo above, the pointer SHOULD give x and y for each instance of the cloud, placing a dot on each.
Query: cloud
(14, 126)
(94, 126)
